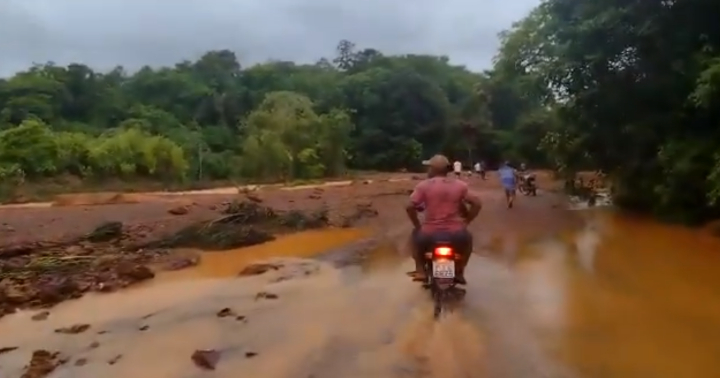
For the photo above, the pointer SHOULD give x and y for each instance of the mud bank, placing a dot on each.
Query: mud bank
(110, 257)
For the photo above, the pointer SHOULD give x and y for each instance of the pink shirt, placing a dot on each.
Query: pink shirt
(442, 197)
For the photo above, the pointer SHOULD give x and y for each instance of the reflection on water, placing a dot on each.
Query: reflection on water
(623, 297)
(318, 326)
(630, 298)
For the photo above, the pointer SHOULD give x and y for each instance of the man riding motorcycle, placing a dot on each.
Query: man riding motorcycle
(446, 216)
(526, 177)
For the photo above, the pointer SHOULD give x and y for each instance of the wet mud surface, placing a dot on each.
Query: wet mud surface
(343, 309)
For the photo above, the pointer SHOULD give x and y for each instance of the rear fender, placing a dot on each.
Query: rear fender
(444, 283)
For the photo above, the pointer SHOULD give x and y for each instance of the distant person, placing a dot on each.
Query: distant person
(524, 173)
(457, 167)
(480, 169)
(508, 179)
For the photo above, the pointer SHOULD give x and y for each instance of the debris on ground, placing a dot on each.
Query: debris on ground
(105, 232)
(258, 268)
(115, 359)
(206, 359)
(225, 312)
(180, 210)
(245, 223)
(4, 350)
(42, 363)
(57, 257)
(42, 315)
(265, 295)
(74, 329)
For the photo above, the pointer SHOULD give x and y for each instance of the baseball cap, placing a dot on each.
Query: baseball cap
(437, 161)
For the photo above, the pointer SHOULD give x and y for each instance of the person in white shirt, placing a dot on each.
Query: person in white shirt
(457, 167)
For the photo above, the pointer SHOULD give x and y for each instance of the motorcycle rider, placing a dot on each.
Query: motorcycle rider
(444, 200)
(525, 174)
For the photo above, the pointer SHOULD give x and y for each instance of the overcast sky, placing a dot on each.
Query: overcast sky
(105, 33)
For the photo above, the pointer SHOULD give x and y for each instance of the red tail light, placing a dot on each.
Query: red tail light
(443, 251)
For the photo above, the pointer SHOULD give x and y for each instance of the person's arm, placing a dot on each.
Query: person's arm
(416, 199)
(475, 205)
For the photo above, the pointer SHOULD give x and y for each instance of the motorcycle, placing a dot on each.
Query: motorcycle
(527, 185)
(440, 272)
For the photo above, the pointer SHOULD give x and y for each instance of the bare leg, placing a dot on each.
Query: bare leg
(464, 259)
(419, 266)
(419, 273)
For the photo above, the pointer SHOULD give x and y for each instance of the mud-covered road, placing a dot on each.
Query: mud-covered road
(336, 301)
(350, 313)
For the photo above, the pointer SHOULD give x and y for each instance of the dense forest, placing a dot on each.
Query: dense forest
(629, 87)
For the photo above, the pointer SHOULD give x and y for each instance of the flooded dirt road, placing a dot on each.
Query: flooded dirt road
(594, 294)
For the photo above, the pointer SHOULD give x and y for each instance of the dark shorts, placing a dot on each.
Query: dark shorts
(460, 241)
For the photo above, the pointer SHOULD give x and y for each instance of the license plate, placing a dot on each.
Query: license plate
(444, 269)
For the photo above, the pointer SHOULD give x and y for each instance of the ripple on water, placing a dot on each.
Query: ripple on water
(318, 325)
(624, 297)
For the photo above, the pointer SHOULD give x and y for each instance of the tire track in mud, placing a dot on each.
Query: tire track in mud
(350, 322)
(320, 326)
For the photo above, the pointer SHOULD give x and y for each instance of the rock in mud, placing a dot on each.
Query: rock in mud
(42, 315)
(4, 350)
(74, 329)
(206, 359)
(225, 313)
(180, 210)
(106, 232)
(42, 363)
(181, 263)
(134, 272)
(265, 295)
(115, 359)
(259, 268)
(81, 362)
(250, 354)
(94, 345)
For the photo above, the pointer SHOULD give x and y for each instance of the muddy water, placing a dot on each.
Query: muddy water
(225, 264)
(623, 297)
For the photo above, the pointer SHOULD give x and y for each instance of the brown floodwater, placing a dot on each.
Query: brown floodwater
(621, 297)
(224, 264)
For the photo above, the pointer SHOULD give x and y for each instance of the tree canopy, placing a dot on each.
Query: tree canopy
(214, 119)
(629, 87)
(633, 87)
